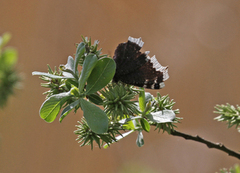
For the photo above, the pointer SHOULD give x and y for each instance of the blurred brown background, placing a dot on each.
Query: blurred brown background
(198, 40)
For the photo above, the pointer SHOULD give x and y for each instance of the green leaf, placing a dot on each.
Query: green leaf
(88, 65)
(237, 168)
(140, 141)
(9, 57)
(5, 39)
(51, 107)
(130, 125)
(74, 91)
(95, 98)
(68, 109)
(95, 117)
(101, 75)
(52, 76)
(164, 116)
(68, 69)
(79, 52)
(145, 125)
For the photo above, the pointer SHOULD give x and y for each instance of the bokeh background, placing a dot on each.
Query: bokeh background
(199, 41)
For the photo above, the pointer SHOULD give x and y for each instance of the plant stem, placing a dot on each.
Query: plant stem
(209, 144)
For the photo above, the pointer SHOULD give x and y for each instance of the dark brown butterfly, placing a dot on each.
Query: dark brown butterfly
(136, 68)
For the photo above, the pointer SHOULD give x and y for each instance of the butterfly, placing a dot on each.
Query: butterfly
(136, 68)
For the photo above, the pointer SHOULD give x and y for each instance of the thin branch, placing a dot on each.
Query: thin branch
(209, 144)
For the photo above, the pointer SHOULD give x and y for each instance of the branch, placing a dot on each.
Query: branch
(209, 144)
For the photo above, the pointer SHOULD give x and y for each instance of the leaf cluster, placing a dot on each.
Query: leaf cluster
(117, 100)
(165, 105)
(235, 169)
(9, 78)
(231, 115)
(91, 89)
(228, 113)
(69, 87)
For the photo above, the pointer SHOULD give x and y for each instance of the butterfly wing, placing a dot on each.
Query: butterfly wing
(136, 68)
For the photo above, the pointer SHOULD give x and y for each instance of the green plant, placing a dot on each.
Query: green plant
(110, 110)
(235, 169)
(90, 88)
(231, 115)
(9, 77)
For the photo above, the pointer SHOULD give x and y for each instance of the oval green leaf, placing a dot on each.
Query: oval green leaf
(88, 65)
(101, 75)
(79, 52)
(51, 107)
(145, 125)
(95, 117)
